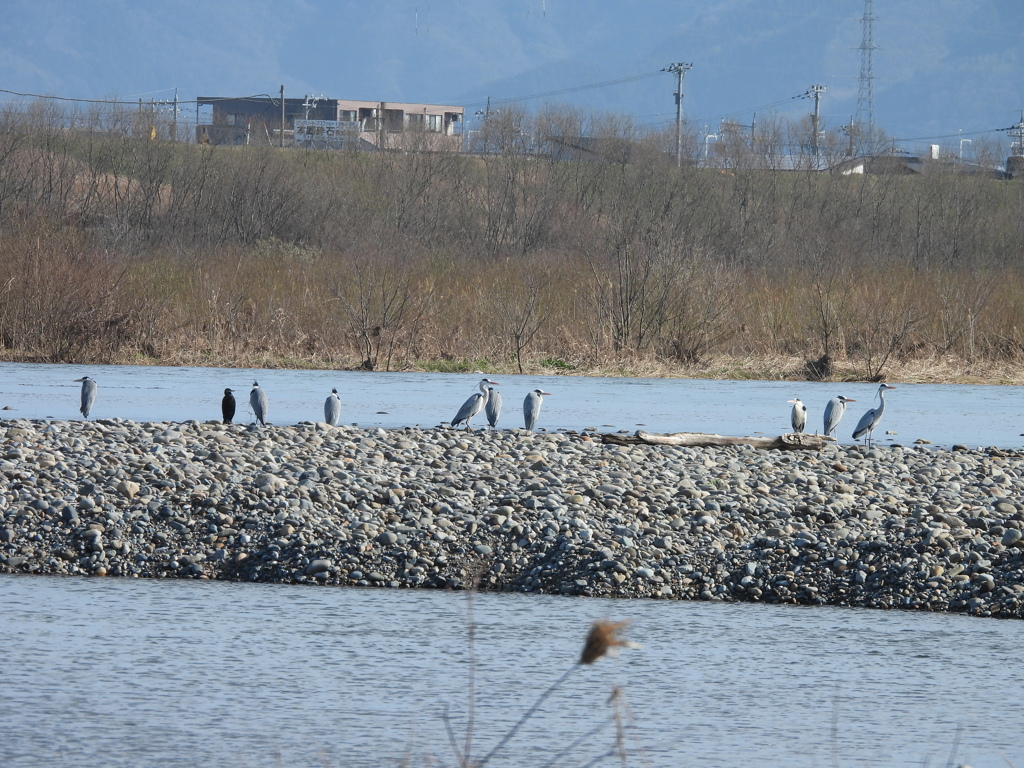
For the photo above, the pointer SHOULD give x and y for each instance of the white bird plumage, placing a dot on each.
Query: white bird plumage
(531, 407)
(332, 408)
(258, 402)
(799, 415)
(868, 422)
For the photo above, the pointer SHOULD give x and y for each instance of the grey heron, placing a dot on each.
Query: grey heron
(834, 411)
(227, 406)
(870, 420)
(531, 407)
(474, 404)
(88, 395)
(799, 415)
(332, 408)
(493, 406)
(258, 402)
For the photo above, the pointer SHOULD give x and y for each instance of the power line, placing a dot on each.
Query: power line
(563, 91)
(116, 102)
(738, 112)
(954, 135)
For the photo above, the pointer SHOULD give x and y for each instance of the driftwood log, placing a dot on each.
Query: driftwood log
(788, 442)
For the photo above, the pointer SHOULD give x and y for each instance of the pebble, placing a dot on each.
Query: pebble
(916, 527)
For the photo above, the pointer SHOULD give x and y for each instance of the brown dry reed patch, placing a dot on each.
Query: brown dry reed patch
(121, 249)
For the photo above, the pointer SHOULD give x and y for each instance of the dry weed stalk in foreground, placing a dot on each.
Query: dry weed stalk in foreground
(602, 640)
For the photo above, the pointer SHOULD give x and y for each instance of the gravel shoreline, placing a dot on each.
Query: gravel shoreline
(886, 527)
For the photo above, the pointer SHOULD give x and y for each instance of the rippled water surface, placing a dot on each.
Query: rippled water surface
(113, 673)
(943, 414)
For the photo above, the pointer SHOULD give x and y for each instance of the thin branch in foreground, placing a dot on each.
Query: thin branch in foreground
(575, 743)
(602, 640)
(526, 716)
(451, 736)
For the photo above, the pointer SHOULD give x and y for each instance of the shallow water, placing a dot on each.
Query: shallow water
(111, 673)
(944, 414)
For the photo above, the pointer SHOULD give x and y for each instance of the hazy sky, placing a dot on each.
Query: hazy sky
(941, 66)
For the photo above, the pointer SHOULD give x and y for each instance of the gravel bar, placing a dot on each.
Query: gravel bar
(559, 513)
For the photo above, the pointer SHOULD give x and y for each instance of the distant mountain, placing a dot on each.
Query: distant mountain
(941, 66)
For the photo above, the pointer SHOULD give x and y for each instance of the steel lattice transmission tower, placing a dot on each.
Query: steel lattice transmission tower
(865, 118)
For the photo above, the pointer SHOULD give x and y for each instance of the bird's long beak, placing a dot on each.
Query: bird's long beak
(792, 401)
(545, 393)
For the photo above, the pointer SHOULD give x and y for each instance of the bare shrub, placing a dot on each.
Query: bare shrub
(702, 315)
(59, 302)
(885, 313)
(522, 305)
(384, 298)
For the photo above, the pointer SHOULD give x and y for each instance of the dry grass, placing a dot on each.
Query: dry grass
(123, 250)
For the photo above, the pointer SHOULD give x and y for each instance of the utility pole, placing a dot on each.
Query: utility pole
(174, 128)
(282, 118)
(679, 69)
(1020, 137)
(851, 131)
(815, 91)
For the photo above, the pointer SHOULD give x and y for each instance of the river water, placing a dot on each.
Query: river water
(124, 673)
(942, 414)
(111, 673)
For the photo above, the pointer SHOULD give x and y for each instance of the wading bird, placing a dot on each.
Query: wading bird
(258, 402)
(227, 406)
(493, 406)
(332, 408)
(474, 404)
(799, 416)
(531, 407)
(88, 395)
(870, 420)
(834, 411)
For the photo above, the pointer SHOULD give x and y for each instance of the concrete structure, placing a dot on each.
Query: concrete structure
(912, 165)
(333, 123)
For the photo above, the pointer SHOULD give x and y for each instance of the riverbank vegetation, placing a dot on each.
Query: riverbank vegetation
(544, 254)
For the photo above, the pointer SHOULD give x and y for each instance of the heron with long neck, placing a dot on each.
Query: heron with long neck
(531, 407)
(474, 404)
(868, 422)
(834, 410)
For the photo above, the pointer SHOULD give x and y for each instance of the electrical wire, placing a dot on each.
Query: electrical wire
(116, 102)
(956, 135)
(727, 115)
(563, 91)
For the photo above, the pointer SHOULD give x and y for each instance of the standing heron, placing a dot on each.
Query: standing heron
(227, 406)
(88, 395)
(799, 416)
(258, 402)
(870, 420)
(531, 407)
(493, 406)
(332, 408)
(834, 411)
(474, 404)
